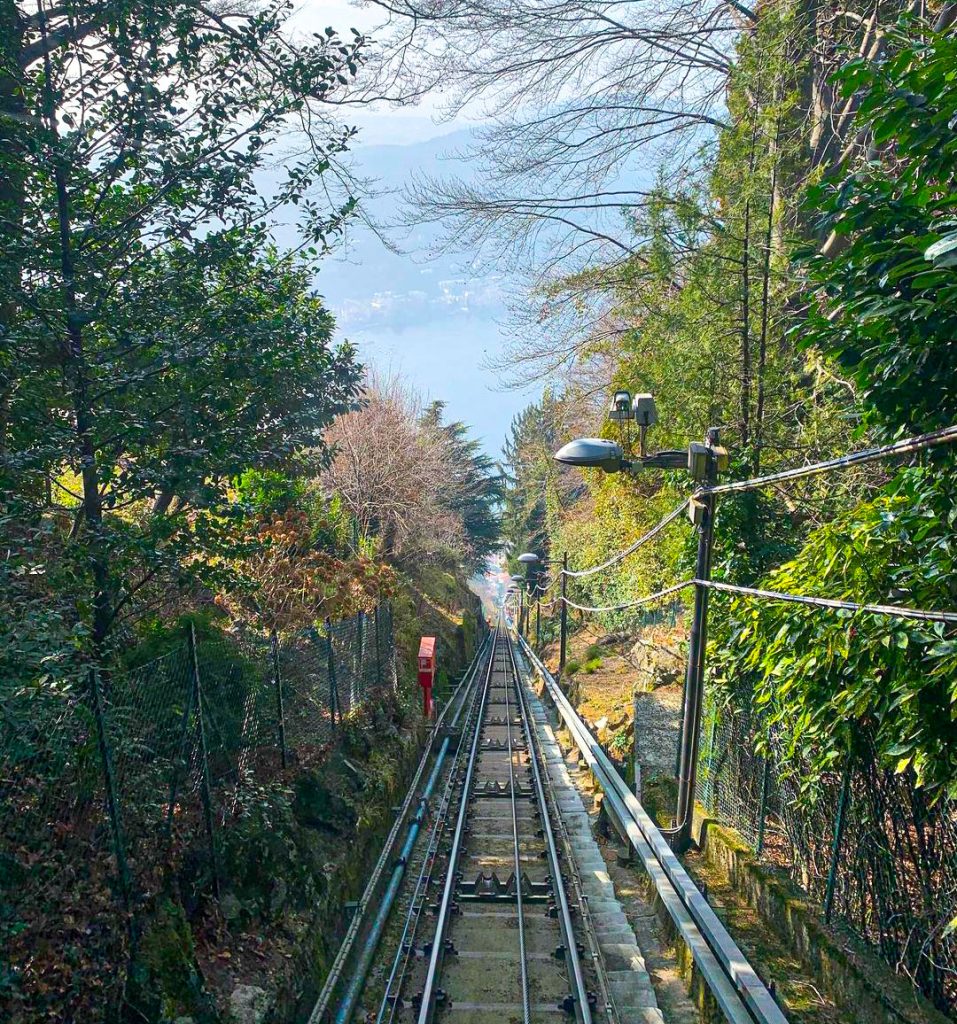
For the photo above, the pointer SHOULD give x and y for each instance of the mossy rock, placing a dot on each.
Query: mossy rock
(164, 981)
(317, 807)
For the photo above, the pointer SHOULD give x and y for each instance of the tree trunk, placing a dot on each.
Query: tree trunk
(765, 304)
(12, 130)
(77, 371)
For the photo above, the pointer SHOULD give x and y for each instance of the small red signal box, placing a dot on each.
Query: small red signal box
(427, 672)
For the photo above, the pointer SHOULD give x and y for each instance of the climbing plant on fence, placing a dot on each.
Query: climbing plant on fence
(111, 791)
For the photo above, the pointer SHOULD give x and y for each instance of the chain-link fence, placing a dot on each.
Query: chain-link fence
(869, 846)
(110, 790)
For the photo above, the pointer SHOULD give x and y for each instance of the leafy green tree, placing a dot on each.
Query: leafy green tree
(474, 489)
(530, 474)
(154, 344)
(883, 302)
(885, 306)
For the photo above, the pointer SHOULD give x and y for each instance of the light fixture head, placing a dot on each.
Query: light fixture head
(592, 453)
(529, 558)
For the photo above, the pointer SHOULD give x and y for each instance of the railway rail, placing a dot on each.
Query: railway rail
(502, 943)
(507, 913)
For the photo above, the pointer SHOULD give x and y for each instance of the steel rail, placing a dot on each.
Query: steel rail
(429, 989)
(335, 974)
(405, 951)
(741, 995)
(572, 960)
(516, 851)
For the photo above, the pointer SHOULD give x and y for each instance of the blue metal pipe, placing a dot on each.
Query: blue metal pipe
(357, 982)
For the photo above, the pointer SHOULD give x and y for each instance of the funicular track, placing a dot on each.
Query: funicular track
(489, 935)
(507, 913)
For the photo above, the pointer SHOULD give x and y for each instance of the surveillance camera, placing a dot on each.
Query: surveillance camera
(620, 408)
(644, 410)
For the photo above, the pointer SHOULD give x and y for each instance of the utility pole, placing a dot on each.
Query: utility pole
(702, 511)
(563, 616)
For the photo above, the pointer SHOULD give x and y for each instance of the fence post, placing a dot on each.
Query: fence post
(712, 740)
(174, 778)
(112, 801)
(697, 645)
(393, 665)
(378, 651)
(763, 810)
(563, 617)
(839, 823)
(358, 672)
(333, 687)
(634, 746)
(205, 788)
(277, 683)
(538, 623)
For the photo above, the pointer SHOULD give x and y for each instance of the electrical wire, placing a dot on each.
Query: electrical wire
(650, 599)
(947, 435)
(653, 532)
(825, 602)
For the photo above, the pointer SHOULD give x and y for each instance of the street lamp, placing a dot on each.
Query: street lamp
(528, 559)
(519, 582)
(600, 453)
(703, 461)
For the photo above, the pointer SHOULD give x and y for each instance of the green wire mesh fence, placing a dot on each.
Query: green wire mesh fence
(109, 789)
(869, 845)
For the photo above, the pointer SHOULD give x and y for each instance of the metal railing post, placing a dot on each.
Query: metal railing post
(839, 823)
(357, 689)
(112, 799)
(378, 651)
(563, 619)
(333, 688)
(277, 683)
(393, 667)
(763, 810)
(181, 759)
(538, 623)
(205, 787)
(694, 680)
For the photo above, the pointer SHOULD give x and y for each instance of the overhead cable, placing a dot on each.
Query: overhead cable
(825, 602)
(948, 435)
(653, 532)
(650, 599)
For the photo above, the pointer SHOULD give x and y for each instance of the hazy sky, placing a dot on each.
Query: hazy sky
(424, 319)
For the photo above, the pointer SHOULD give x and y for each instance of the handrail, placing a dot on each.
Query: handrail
(893, 610)
(650, 599)
(740, 993)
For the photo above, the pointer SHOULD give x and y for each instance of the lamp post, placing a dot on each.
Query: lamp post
(528, 559)
(519, 586)
(703, 462)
